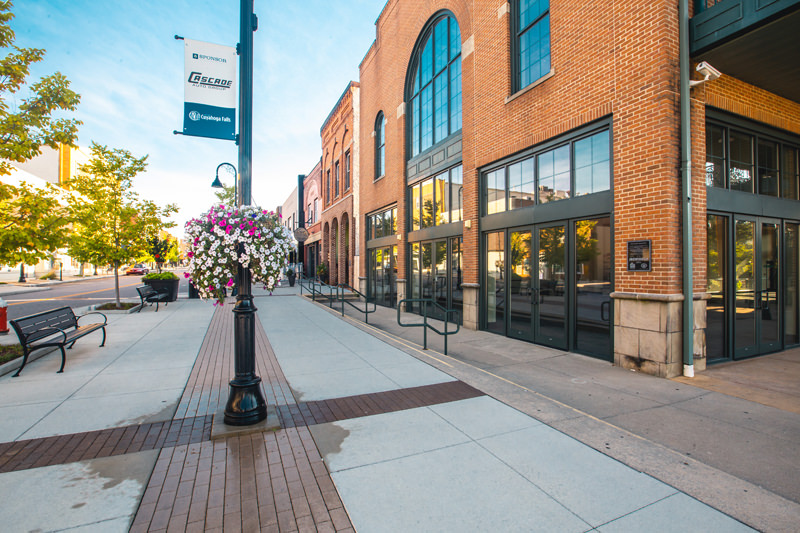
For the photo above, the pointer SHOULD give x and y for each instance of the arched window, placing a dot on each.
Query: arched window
(380, 145)
(434, 92)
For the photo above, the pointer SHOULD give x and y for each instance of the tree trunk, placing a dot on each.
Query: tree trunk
(116, 283)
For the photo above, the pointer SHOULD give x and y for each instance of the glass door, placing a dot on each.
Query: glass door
(550, 300)
(439, 279)
(495, 282)
(791, 306)
(593, 251)
(757, 291)
(456, 278)
(520, 296)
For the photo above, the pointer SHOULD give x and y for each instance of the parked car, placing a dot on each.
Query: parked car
(137, 269)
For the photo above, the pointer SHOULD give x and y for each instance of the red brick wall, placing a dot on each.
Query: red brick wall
(609, 59)
(337, 138)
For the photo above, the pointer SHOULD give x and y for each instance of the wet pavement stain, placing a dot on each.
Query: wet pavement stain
(329, 438)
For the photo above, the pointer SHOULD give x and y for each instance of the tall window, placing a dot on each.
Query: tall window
(380, 146)
(328, 187)
(434, 96)
(347, 170)
(336, 179)
(531, 21)
(316, 209)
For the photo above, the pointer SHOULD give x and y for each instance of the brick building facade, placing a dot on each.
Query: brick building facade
(340, 171)
(312, 193)
(522, 166)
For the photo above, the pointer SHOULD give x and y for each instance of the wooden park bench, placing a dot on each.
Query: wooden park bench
(56, 328)
(149, 295)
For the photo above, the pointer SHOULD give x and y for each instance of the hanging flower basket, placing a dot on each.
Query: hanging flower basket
(225, 236)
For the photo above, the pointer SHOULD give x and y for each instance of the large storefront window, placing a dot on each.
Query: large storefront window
(437, 200)
(575, 168)
(382, 224)
(382, 276)
(436, 275)
(751, 160)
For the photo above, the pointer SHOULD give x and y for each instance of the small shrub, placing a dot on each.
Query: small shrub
(49, 275)
(163, 275)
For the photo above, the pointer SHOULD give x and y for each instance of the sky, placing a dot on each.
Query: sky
(123, 59)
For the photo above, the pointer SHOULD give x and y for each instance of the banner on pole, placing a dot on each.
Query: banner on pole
(209, 108)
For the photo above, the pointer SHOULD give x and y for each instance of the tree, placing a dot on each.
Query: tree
(227, 196)
(24, 130)
(33, 223)
(159, 248)
(113, 223)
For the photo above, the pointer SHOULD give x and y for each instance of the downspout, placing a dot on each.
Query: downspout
(686, 192)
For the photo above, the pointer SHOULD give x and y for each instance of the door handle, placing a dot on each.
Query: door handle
(605, 305)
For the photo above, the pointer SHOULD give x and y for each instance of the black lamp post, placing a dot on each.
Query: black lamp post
(246, 404)
(219, 185)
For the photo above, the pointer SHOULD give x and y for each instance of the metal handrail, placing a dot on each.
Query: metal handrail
(366, 310)
(312, 288)
(424, 324)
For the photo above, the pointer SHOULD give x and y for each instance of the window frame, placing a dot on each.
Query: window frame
(516, 34)
(328, 187)
(414, 93)
(336, 179)
(439, 205)
(533, 154)
(380, 146)
(347, 170)
(759, 135)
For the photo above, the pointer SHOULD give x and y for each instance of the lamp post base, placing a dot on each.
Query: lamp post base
(246, 404)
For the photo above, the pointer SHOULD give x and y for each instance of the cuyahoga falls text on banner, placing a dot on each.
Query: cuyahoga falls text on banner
(209, 108)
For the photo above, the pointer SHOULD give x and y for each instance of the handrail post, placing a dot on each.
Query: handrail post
(425, 329)
(445, 332)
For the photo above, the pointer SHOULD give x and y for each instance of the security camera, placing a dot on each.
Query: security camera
(708, 72)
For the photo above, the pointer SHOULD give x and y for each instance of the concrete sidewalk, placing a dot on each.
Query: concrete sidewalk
(411, 440)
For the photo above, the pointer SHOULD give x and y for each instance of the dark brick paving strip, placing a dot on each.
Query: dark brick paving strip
(33, 453)
(61, 449)
(272, 481)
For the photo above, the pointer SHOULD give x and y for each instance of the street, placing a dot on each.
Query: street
(93, 291)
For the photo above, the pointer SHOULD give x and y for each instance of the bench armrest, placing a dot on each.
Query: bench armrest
(105, 318)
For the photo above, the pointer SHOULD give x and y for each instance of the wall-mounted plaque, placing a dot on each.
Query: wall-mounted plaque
(639, 256)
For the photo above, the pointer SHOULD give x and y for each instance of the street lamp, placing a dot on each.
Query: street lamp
(246, 404)
(218, 184)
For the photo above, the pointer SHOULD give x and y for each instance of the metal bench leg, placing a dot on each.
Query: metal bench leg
(24, 361)
(63, 359)
(104, 338)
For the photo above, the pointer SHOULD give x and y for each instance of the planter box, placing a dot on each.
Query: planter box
(170, 285)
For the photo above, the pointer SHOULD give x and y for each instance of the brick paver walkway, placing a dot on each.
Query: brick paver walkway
(271, 481)
(265, 481)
